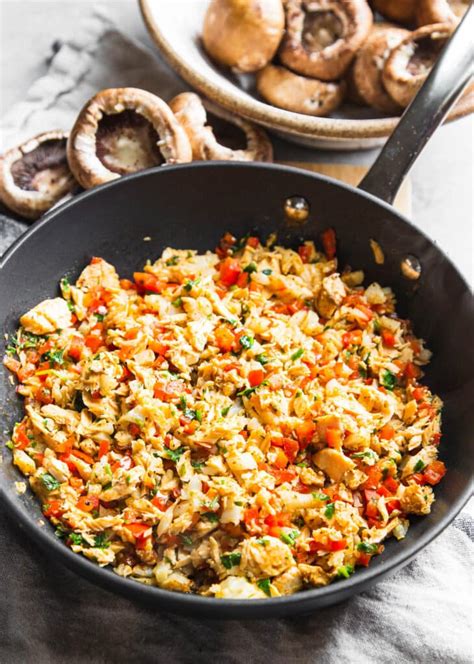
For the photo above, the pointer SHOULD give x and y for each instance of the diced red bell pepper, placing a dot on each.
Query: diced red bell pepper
(255, 377)
(280, 519)
(243, 280)
(75, 348)
(230, 271)
(352, 338)
(387, 432)
(126, 284)
(419, 393)
(371, 498)
(148, 282)
(388, 338)
(104, 448)
(82, 455)
(411, 371)
(250, 514)
(20, 439)
(364, 559)
(436, 438)
(328, 238)
(134, 429)
(334, 437)
(373, 479)
(304, 432)
(94, 342)
(281, 460)
(419, 478)
(137, 529)
(434, 472)
(284, 475)
(391, 484)
(88, 503)
(253, 241)
(53, 508)
(160, 503)
(392, 505)
(328, 545)
(225, 338)
(291, 448)
(158, 347)
(304, 252)
(27, 371)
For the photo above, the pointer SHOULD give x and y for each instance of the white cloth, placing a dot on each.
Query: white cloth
(423, 613)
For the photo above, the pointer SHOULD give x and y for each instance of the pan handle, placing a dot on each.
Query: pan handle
(426, 112)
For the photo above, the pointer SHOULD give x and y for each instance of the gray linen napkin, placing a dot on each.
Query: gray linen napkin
(422, 614)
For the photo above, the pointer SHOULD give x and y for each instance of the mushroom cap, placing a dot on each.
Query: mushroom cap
(369, 64)
(440, 11)
(402, 11)
(191, 112)
(323, 36)
(243, 34)
(283, 88)
(410, 62)
(100, 150)
(35, 175)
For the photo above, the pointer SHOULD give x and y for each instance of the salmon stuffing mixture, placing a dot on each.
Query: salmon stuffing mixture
(243, 423)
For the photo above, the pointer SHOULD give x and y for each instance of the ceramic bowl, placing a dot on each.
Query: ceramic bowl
(175, 26)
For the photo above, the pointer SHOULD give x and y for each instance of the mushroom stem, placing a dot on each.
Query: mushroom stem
(206, 139)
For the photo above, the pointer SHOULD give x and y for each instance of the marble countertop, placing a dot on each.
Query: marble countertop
(441, 179)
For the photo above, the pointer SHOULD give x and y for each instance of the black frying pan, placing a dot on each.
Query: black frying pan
(191, 206)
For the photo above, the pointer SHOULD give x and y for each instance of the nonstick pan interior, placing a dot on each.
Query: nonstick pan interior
(135, 218)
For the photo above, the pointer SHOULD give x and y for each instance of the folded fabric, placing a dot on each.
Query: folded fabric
(423, 613)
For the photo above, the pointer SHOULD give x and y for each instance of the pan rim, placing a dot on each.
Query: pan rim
(304, 600)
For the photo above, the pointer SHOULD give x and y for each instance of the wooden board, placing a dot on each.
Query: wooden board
(353, 174)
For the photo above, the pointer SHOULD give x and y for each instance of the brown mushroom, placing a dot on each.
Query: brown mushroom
(124, 130)
(323, 36)
(440, 11)
(35, 175)
(243, 34)
(411, 61)
(283, 88)
(369, 64)
(402, 11)
(216, 134)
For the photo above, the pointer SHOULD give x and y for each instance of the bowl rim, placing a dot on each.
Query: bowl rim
(187, 603)
(271, 116)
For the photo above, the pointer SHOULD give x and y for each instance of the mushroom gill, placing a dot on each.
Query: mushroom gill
(411, 61)
(35, 175)
(121, 131)
(126, 142)
(322, 36)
